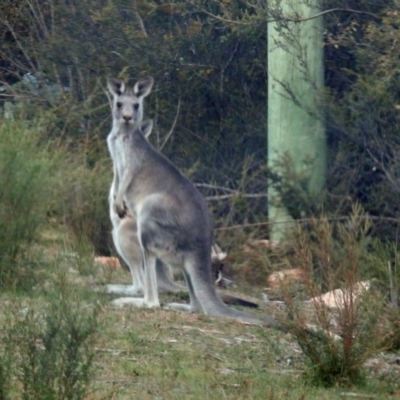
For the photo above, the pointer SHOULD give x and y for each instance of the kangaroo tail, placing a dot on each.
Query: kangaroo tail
(237, 301)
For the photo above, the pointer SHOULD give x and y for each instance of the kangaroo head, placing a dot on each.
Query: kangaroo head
(128, 101)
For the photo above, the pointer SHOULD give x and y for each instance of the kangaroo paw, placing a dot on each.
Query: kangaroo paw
(127, 290)
(130, 301)
(179, 307)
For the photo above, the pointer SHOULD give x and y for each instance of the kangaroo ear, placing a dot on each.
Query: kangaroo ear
(213, 252)
(115, 86)
(221, 256)
(217, 253)
(217, 249)
(143, 86)
(146, 127)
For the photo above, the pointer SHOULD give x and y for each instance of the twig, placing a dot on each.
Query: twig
(238, 194)
(221, 84)
(140, 20)
(81, 79)
(191, 328)
(393, 291)
(283, 371)
(113, 380)
(227, 228)
(36, 12)
(234, 193)
(173, 125)
(107, 93)
(14, 35)
(349, 10)
(57, 75)
(320, 14)
(209, 186)
(216, 16)
(113, 351)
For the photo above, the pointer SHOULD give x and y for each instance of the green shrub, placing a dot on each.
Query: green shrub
(341, 336)
(6, 374)
(25, 182)
(85, 204)
(47, 349)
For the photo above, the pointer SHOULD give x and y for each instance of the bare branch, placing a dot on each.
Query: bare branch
(228, 196)
(221, 84)
(209, 186)
(36, 12)
(216, 16)
(233, 193)
(140, 20)
(349, 10)
(14, 35)
(320, 14)
(57, 75)
(80, 78)
(173, 125)
(301, 220)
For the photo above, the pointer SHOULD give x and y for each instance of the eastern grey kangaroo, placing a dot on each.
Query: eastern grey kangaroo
(124, 231)
(173, 221)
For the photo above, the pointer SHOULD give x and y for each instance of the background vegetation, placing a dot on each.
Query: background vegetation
(209, 64)
(209, 103)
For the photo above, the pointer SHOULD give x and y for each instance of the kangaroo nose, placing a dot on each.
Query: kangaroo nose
(127, 117)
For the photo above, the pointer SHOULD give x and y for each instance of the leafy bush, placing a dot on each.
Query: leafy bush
(25, 182)
(337, 338)
(47, 351)
(85, 204)
(224, 108)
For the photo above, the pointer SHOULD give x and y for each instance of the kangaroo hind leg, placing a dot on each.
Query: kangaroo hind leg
(146, 272)
(165, 279)
(150, 280)
(127, 244)
(195, 303)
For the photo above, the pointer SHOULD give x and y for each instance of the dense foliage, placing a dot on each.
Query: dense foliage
(209, 104)
(25, 198)
(209, 62)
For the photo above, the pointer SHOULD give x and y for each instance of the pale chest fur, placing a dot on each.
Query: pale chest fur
(116, 142)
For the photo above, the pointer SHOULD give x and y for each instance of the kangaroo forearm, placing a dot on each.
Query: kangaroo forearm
(115, 182)
(122, 190)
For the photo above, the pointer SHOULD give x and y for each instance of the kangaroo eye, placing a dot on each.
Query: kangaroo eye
(136, 106)
(119, 105)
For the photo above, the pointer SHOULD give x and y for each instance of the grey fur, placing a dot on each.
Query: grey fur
(124, 231)
(173, 223)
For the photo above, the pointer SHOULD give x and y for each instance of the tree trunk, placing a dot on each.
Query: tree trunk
(295, 80)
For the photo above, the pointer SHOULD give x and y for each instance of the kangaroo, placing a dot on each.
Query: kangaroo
(217, 266)
(125, 237)
(173, 222)
(124, 232)
(127, 245)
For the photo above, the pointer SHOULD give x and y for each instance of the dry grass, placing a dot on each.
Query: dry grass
(164, 354)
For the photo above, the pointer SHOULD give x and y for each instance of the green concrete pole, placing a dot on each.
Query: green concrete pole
(295, 81)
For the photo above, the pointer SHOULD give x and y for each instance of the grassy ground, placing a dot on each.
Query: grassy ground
(164, 354)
